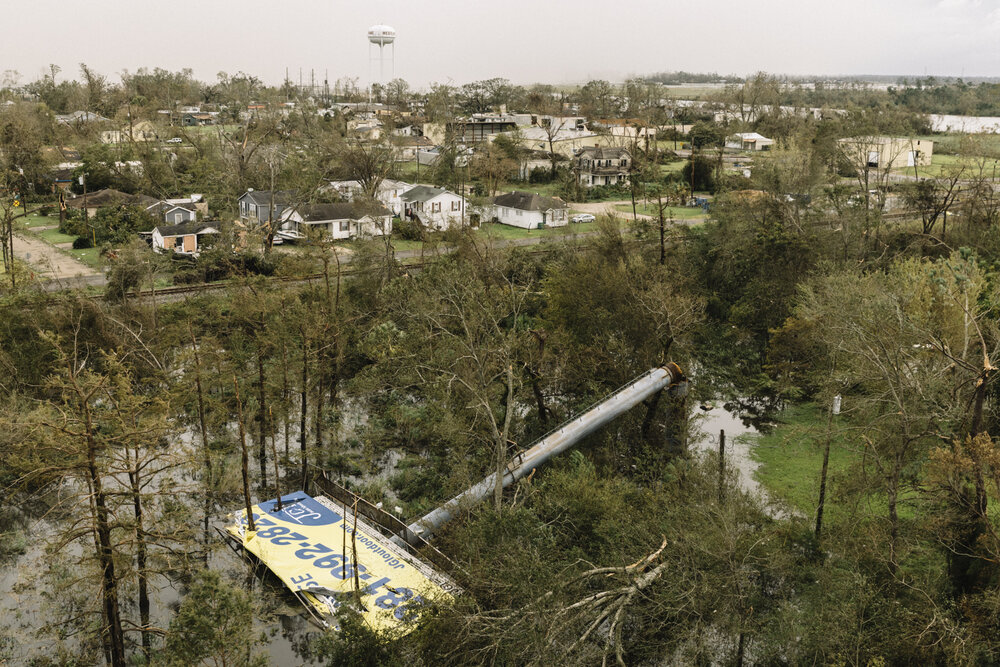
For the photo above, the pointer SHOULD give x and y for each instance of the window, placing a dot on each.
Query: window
(345, 225)
(178, 243)
(519, 212)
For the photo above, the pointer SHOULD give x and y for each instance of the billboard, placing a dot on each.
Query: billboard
(331, 557)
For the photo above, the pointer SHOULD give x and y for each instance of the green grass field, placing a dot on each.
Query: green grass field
(499, 231)
(791, 459)
(679, 212)
(54, 236)
(34, 220)
(89, 256)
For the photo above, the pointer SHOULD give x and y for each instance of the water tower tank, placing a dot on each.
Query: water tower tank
(381, 35)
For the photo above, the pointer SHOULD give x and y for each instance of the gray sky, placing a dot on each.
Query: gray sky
(553, 41)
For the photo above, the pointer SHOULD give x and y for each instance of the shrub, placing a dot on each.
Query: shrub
(410, 230)
(81, 242)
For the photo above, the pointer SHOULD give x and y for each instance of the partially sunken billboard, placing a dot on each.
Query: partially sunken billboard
(329, 556)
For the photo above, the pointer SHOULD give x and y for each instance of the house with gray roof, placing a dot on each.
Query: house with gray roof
(437, 209)
(256, 207)
(344, 220)
(529, 210)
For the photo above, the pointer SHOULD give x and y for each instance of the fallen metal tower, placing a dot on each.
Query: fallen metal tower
(555, 442)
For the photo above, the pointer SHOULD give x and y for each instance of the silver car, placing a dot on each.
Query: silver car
(582, 217)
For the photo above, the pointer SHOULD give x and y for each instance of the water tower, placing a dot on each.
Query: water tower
(382, 36)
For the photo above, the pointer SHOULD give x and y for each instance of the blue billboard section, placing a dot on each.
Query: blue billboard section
(302, 509)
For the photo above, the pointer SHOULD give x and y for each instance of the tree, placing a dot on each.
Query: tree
(214, 626)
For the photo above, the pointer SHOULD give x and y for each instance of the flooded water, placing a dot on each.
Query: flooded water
(23, 580)
(740, 441)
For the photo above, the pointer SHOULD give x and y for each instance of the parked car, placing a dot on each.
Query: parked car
(582, 217)
(175, 140)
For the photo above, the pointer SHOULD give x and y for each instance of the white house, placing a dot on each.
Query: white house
(435, 208)
(603, 165)
(390, 192)
(749, 141)
(530, 210)
(345, 220)
(185, 238)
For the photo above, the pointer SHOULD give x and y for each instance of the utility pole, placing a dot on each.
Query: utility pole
(834, 410)
(722, 465)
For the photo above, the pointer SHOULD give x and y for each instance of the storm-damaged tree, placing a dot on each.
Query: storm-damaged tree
(457, 342)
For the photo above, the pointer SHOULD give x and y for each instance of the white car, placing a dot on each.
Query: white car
(582, 217)
(175, 140)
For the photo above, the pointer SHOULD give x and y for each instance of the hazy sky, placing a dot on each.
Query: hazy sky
(526, 41)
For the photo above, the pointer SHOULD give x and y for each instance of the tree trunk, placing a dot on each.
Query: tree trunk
(893, 493)
(261, 419)
(722, 465)
(304, 393)
(320, 402)
(206, 454)
(245, 458)
(109, 582)
(822, 476)
(140, 557)
(502, 441)
(663, 231)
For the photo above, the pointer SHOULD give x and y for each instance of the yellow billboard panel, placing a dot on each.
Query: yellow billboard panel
(332, 557)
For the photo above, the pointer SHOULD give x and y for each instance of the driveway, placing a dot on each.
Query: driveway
(49, 262)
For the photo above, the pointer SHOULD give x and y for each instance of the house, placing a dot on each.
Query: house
(408, 146)
(173, 213)
(887, 153)
(749, 141)
(193, 201)
(603, 166)
(197, 119)
(255, 205)
(390, 192)
(80, 117)
(187, 238)
(430, 156)
(94, 201)
(345, 220)
(142, 131)
(436, 208)
(529, 210)
(564, 139)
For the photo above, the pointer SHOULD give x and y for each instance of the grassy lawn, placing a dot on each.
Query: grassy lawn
(791, 458)
(404, 244)
(89, 256)
(505, 232)
(409, 172)
(54, 236)
(679, 212)
(34, 220)
(672, 167)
